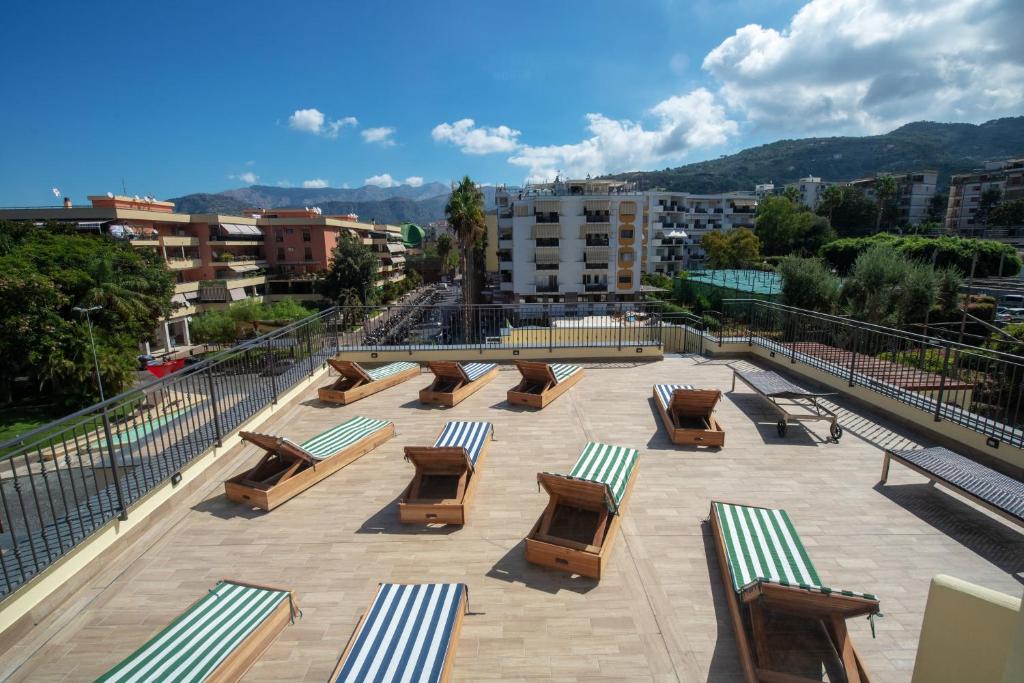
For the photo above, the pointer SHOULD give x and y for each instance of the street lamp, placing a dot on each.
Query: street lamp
(92, 342)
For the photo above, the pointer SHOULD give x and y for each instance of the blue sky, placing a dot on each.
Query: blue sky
(188, 97)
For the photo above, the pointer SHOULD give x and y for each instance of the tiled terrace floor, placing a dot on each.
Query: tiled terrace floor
(659, 614)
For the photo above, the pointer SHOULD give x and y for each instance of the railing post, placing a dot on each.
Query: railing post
(750, 324)
(622, 321)
(213, 403)
(942, 385)
(334, 326)
(853, 354)
(792, 344)
(309, 351)
(270, 371)
(115, 472)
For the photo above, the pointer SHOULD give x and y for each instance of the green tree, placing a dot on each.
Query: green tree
(792, 194)
(465, 214)
(937, 207)
(989, 200)
(944, 251)
(831, 198)
(733, 249)
(445, 248)
(353, 267)
(849, 211)
(885, 196)
(808, 283)
(213, 327)
(1007, 214)
(786, 229)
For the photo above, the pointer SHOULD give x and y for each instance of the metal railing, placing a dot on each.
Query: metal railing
(65, 480)
(979, 388)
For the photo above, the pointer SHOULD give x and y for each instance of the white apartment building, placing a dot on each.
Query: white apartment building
(966, 189)
(679, 221)
(589, 240)
(570, 241)
(914, 192)
(811, 188)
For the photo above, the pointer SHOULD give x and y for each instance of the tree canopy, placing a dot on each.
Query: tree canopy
(785, 228)
(733, 249)
(46, 271)
(849, 211)
(947, 251)
(353, 269)
(465, 214)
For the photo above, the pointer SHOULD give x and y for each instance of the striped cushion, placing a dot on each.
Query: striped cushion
(390, 369)
(405, 635)
(563, 370)
(665, 392)
(993, 487)
(608, 465)
(344, 435)
(469, 435)
(200, 639)
(761, 545)
(475, 371)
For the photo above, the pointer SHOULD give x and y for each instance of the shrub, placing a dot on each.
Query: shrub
(807, 283)
(947, 252)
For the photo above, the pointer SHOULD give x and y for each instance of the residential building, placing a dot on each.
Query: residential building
(217, 259)
(914, 192)
(679, 221)
(763, 190)
(966, 190)
(811, 188)
(570, 241)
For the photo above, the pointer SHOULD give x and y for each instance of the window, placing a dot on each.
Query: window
(280, 254)
(306, 237)
(279, 236)
(626, 256)
(308, 254)
(625, 279)
(626, 234)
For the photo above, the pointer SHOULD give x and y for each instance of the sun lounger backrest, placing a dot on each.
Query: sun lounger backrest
(448, 370)
(694, 401)
(206, 634)
(349, 369)
(761, 545)
(535, 371)
(406, 634)
(278, 444)
(342, 436)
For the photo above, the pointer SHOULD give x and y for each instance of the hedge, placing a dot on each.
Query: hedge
(949, 250)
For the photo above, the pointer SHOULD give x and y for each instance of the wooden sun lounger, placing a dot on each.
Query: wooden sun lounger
(689, 414)
(992, 490)
(201, 645)
(788, 625)
(287, 469)
(581, 521)
(786, 398)
(414, 642)
(542, 383)
(453, 382)
(355, 383)
(446, 474)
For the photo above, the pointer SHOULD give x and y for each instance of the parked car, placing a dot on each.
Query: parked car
(1016, 314)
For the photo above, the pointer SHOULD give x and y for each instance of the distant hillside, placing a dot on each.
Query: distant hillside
(946, 147)
(272, 196)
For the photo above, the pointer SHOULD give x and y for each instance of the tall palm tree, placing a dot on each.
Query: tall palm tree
(465, 213)
(885, 192)
(131, 298)
(444, 251)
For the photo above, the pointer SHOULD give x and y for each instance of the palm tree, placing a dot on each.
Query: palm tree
(122, 292)
(444, 251)
(885, 191)
(465, 213)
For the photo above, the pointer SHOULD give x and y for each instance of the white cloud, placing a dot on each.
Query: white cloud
(249, 178)
(683, 123)
(315, 121)
(471, 139)
(314, 184)
(382, 180)
(867, 66)
(381, 136)
(414, 181)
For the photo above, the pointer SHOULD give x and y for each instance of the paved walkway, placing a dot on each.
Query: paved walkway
(659, 614)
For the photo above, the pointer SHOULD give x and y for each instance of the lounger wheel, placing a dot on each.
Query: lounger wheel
(781, 426)
(836, 431)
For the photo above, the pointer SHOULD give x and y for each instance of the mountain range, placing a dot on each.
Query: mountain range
(945, 147)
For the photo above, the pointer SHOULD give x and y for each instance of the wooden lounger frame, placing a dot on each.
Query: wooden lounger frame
(576, 500)
(451, 386)
(446, 671)
(447, 461)
(354, 383)
(285, 471)
(690, 418)
(539, 386)
(935, 479)
(798, 602)
(810, 410)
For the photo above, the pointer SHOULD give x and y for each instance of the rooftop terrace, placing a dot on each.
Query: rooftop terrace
(659, 613)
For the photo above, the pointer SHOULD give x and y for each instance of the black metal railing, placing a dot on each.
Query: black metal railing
(976, 387)
(65, 480)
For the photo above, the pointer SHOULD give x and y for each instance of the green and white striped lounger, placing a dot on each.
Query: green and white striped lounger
(563, 371)
(204, 641)
(610, 466)
(339, 438)
(390, 369)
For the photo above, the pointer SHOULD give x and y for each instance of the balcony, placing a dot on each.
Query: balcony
(183, 263)
(595, 287)
(180, 241)
(546, 288)
(595, 265)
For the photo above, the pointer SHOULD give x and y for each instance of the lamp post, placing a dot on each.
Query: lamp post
(92, 343)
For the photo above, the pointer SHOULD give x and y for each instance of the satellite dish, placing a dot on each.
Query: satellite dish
(55, 191)
(110, 195)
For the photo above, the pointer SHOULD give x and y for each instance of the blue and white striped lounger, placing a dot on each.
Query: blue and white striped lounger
(287, 468)
(986, 487)
(766, 568)
(206, 640)
(409, 633)
(446, 475)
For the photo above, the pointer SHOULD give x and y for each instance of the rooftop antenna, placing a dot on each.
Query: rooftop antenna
(110, 195)
(56, 192)
(124, 188)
